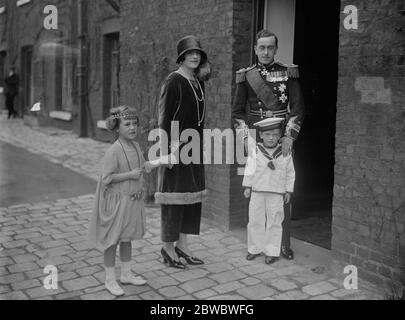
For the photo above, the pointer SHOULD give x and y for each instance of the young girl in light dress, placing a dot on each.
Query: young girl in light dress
(119, 213)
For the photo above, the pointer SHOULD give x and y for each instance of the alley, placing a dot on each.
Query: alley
(38, 232)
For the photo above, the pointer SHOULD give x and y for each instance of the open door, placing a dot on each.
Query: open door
(308, 33)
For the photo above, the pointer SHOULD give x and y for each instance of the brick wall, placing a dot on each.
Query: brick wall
(369, 191)
(150, 31)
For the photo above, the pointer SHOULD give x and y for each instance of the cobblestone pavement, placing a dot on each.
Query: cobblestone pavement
(35, 235)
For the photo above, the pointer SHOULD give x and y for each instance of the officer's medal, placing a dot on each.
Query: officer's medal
(271, 165)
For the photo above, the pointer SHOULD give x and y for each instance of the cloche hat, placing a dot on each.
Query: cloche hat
(189, 43)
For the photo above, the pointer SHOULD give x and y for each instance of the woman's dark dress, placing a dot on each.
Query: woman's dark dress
(181, 188)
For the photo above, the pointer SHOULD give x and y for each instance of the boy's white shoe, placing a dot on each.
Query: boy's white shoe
(114, 288)
(129, 278)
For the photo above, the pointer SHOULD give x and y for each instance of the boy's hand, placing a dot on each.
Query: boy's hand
(247, 193)
(136, 173)
(287, 197)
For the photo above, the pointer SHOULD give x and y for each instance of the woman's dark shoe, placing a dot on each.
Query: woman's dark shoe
(190, 260)
(169, 261)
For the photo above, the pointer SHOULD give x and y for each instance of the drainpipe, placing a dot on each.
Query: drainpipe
(82, 67)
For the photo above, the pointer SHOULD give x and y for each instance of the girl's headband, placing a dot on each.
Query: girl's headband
(126, 115)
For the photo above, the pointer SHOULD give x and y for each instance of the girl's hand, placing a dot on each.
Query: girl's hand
(136, 173)
(287, 197)
(247, 193)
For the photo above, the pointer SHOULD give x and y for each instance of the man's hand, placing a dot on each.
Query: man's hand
(286, 144)
(287, 197)
(247, 193)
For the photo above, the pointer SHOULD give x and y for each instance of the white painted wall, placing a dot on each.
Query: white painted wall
(279, 17)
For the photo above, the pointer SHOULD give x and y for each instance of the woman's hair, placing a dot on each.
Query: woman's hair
(116, 114)
(203, 72)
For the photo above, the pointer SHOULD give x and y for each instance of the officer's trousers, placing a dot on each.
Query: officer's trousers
(285, 242)
(266, 215)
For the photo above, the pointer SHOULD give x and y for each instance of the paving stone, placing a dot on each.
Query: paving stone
(14, 295)
(15, 244)
(318, 288)
(291, 295)
(28, 235)
(22, 258)
(72, 295)
(72, 266)
(151, 295)
(250, 281)
(101, 295)
(89, 270)
(146, 257)
(6, 261)
(197, 285)
(56, 261)
(95, 289)
(227, 297)
(228, 287)
(60, 251)
(65, 235)
(290, 270)
(256, 267)
(228, 276)
(190, 274)
(186, 297)
(307, 277)
(205, 294)
(80, 283)
(95, 260)
(171, 292)
(256, 292)
(42, 292)
(323, 297)
(22, 285)
(218, 267)
(159, 282)
(340, 293)
(132, 290)
(4, 289)
(281, 284)
(11, 278)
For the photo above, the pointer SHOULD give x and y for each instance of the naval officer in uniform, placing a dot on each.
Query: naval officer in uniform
(270, 89)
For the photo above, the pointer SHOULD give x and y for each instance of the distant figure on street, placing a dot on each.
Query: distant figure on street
(11, 91)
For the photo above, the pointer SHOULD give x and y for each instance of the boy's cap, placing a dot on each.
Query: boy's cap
(269, 124)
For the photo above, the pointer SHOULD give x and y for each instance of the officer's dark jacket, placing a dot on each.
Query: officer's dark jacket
(287, 101)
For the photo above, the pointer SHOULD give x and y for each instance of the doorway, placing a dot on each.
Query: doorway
(309, 35)
(26, 80)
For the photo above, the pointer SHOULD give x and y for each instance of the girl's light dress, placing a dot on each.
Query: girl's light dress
(118, 215)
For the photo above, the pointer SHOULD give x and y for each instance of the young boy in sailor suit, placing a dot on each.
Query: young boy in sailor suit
(268, 181)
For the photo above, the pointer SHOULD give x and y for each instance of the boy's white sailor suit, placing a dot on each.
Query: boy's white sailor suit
(268, 187)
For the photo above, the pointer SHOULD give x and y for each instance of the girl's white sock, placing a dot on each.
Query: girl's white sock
(109, 274)
(126, 268)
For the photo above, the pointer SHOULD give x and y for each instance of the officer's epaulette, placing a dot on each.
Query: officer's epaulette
(241, 74)
(292, 70)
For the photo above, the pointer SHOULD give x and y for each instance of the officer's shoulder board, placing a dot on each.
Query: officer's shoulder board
(241, 74)
(292, 69)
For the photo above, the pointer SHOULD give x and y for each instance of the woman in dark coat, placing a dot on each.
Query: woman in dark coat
(182, 186)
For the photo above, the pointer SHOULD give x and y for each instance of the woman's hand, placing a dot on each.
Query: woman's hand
(287, 197)
(247, 193)
(136, 173)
